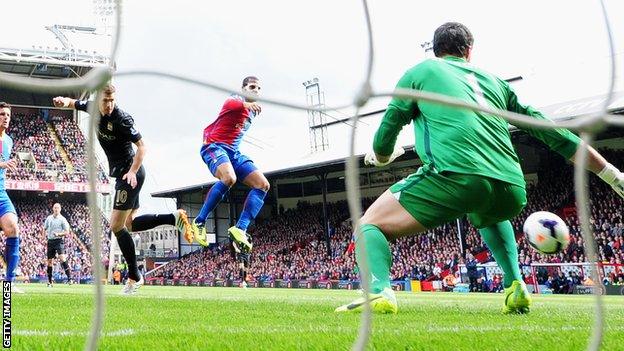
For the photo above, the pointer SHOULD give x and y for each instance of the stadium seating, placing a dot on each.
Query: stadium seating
(74, 143)
(33, 135)
(30, 134)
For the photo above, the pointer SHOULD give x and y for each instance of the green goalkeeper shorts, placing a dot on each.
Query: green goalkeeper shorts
(437, 198)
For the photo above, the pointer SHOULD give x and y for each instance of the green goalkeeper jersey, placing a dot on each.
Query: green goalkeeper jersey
(460, 140)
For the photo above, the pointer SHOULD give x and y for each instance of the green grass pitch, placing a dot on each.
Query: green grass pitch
(201, 318)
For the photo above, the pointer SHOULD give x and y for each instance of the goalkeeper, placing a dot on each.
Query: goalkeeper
(469, 167)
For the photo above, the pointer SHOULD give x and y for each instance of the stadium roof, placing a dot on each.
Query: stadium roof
(44, 63)
(585, 106)
(67, 51)
(563, 110)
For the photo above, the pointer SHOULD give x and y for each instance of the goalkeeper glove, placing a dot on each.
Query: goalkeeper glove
(371, 158)
(613, 177)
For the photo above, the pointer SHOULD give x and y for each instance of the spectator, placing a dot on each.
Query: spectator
(449, 282)
(116, 277)
(471, 268)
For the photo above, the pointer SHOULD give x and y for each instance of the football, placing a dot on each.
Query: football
(546, 232)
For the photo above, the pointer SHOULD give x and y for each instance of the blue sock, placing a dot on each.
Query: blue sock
(11, 256)
(253, 204)
(215, 195)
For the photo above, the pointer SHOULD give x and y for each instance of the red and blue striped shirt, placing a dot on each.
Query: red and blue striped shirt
(231, 124)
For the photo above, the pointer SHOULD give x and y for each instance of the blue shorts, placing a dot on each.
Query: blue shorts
(6, 206)
(216, 154)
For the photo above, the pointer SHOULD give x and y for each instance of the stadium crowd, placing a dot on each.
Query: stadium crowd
(33, 135)
(30, 134)
(74, 143)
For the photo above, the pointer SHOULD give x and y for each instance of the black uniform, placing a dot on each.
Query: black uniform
(241, 256)
(55, 246)
(116, 134)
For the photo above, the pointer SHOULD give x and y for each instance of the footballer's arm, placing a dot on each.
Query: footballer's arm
(61, 101)
(137, 161)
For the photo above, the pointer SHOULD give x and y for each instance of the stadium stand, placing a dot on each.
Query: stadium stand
(74, 143)
(30, 135)
(41, 158)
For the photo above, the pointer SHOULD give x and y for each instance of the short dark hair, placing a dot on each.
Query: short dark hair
(249, 79)
(5, 105)
(452, 38)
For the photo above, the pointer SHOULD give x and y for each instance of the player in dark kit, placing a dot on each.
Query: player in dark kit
(116, 134)
(243, 259)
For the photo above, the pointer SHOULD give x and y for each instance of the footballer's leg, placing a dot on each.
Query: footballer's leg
(125, 206)
(242, 270)
(63, 258)
(259, 185)
(508, 200)
(420, 201)
(500, 238)
(385, 218)
(126, 245)
(50, 261)
(517, 298)
(9, 225)
(136, 223)
(178, 219)
(218, 161)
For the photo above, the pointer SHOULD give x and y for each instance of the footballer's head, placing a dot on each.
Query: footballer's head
(5, 115)
(251, 85)
(56, 208)
(453, 39)
(107, 100)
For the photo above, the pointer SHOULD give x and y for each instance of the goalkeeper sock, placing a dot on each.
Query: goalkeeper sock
(501, 241)
(378, 256)
(253, 204)
(215, 195)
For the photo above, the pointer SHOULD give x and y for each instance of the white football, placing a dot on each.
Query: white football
(546, 232)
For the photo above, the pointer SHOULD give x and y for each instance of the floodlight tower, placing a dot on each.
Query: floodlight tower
(104, 11)
(58, 29)
(316, 119)
(428, 48)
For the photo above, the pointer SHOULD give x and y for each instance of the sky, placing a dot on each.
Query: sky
(559, 47)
